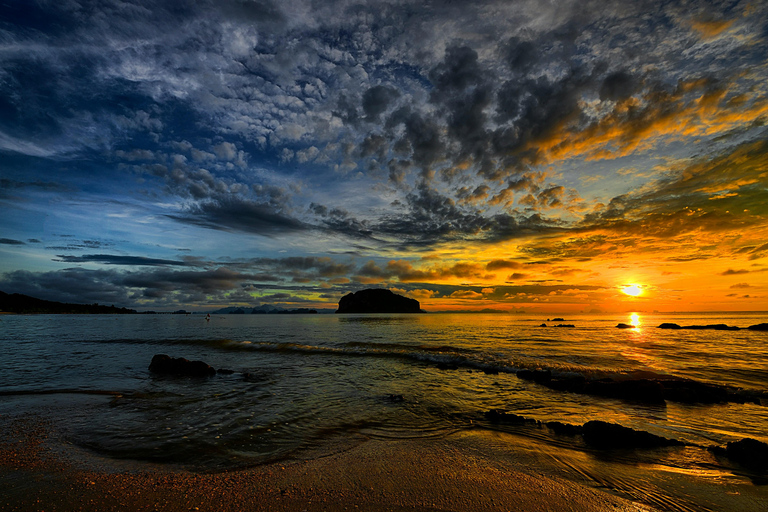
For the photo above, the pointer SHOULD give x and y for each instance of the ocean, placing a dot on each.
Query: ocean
(303, 386)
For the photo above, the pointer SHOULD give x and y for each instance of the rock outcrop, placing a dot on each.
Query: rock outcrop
(604, 435)
(178, 366)
(377, 300)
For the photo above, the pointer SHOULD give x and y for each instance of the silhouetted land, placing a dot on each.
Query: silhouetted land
(377, 300)
(24, 304)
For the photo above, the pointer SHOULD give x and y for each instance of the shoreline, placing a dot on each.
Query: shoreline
(40, 472)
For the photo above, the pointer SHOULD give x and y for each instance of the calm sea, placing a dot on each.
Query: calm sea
(303, 384)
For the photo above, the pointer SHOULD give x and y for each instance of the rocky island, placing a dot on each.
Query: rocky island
(377, 300)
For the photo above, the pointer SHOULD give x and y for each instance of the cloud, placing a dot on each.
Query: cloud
(237, 214)
(731, 272)
(11, 241)
(114, 259)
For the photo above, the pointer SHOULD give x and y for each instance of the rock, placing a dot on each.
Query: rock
(395, 398)
(748, 452)
(641, 390)
(604, 435)
(225, 371)
(712, 327)
(558, 319)
(565, 325)
(625, 326)
(499, 416)
(543, 325)
(692, 392)
(564, 429)
(179, 366)
(715, 327)
(540, 376)
(758, 327)
(377, 300)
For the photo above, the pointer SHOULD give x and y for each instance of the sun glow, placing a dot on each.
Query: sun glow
(633, 289)
(634, 319)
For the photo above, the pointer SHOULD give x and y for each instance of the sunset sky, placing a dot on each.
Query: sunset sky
(532, 155)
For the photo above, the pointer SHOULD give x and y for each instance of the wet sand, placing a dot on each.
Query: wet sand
(39, 472)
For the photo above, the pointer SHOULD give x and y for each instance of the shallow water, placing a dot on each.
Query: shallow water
(311, 378)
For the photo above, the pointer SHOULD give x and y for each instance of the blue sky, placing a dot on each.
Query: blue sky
(510, 155)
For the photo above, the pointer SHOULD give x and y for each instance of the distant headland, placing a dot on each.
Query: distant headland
(24, 304)
(377, 300)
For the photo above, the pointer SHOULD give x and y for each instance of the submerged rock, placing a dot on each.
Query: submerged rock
(711, 327)
(748, 452)
(604, 435)
(499, 416)
(625, 326)
(758, 327)
(564, 429)
(179, 366)
(540, 376)
(641, 390)
(377, 300)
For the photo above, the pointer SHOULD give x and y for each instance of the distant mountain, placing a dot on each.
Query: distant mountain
(264, 309)
(24, 304)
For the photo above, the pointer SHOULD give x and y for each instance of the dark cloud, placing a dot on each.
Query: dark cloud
(11, 241)
(377, 99)
(237, 214)
(732, 272)
(77, 286)
(115, 259)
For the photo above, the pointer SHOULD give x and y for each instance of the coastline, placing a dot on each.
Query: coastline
(40, 472)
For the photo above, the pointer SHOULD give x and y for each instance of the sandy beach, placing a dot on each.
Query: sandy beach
(40, 472)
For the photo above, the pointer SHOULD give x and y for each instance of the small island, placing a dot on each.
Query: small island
(377, 300)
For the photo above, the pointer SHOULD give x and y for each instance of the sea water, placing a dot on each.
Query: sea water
(302, 384)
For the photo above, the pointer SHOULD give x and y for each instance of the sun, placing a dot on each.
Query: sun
(632, 289)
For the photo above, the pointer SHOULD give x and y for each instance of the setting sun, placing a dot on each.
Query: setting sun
(633, 289)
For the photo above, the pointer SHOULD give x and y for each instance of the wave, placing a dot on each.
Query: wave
(621, 383)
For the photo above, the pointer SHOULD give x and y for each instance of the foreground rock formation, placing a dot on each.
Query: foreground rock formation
(178, 366)
(377, 300)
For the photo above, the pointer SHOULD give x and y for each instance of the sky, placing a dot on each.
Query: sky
(523, 156)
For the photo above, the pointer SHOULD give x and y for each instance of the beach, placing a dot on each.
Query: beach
(38, 472)
(388, 412)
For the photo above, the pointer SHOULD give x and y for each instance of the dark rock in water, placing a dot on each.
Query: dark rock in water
(540, 376)
(499, 416)
(748, 452)
(758, 327)
(224, 371)
(543, 325)
(565, 325)
(377, 300)
(395, 398)
(625, 326)
(253, 377)
(564, 429)
(179, 366)
(642, 390)
(604, 435)
(692, 392)
(574, 384)
(558, 319)
(712, 327)
(715, 327)
(491, 371)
